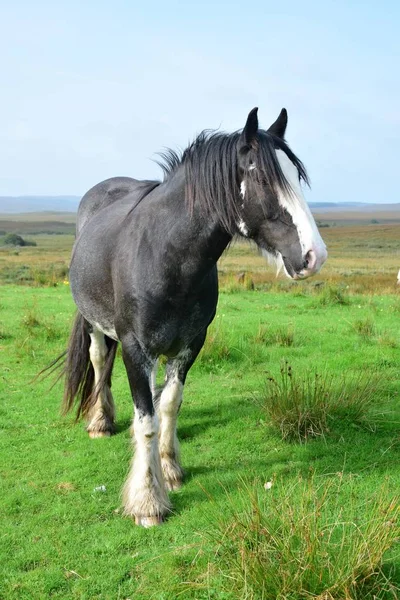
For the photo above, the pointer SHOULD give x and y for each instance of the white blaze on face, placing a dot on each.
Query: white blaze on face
(297, 207)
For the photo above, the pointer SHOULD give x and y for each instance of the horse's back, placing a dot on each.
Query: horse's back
(102, 195)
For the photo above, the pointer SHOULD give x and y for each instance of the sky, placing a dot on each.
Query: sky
(91, 90)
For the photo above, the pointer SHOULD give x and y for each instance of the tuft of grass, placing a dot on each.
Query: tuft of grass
(237, 283)
(216, 347)
(333, 295)
(280, 336)
(5, 335)
(304, 540)
(365, 327)
(300, 407)
(222, 349)
(30, 319)
(388, 339)
(51, 275)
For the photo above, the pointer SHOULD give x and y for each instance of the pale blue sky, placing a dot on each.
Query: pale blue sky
(94, 89)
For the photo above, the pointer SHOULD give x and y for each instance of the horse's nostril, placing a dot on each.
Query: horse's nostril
(310, 259)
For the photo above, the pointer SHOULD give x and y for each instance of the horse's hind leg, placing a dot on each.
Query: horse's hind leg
(101, 416)
(168, 409)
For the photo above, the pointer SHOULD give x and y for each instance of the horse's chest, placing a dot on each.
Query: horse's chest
(174, 328)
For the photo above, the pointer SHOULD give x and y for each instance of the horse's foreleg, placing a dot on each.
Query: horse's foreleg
(102, 415)
(145, 496)
(168, 409)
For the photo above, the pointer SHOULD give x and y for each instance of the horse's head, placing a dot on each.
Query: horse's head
(273, 211)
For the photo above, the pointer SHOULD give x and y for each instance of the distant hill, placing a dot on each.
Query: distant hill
(27, 204)
(12, 205)
(322, 207)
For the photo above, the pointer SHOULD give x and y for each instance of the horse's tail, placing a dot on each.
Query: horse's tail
(79, 372)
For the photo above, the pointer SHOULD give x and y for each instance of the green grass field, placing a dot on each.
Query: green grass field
(327, 525)
(228, 536)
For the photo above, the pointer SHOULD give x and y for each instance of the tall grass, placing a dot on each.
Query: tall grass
(231, 284)
(300, 407)
(333, 294)
(278, 336)
(223, 348)
(364, 327)
(308, 539)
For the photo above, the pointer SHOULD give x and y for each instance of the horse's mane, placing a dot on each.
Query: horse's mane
(211, 169)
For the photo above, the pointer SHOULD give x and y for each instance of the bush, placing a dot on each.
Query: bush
(13, 239)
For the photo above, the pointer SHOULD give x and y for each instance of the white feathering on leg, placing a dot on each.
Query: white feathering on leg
(170, 401)
(144, 492)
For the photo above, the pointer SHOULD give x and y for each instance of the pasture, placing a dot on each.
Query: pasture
(325, 525)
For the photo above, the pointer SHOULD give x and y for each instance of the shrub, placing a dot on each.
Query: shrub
(13, 239)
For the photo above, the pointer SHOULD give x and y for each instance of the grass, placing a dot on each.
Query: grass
(301, 407)
(43, 265)
(62, 538)
(63, 535)
(299, 541)
(280, 336)
(363, 259)
(365, 327)
(333, 294)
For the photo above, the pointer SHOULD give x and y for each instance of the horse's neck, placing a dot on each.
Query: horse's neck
(202, 240)
(200, 237)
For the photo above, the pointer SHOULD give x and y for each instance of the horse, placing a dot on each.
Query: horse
(143, 274)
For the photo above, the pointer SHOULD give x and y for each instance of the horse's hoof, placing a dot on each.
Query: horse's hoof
(148, 521)
(99, 434)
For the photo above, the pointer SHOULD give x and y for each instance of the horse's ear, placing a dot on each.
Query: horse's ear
(250, 129)
(279, 127)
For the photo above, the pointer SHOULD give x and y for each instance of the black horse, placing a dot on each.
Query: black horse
(143, 273)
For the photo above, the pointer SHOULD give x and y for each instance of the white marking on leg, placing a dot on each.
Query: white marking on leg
(101, 417)
(144, 492)
(170, 402)
(298, 208)
(153, 379)
(243, 189)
